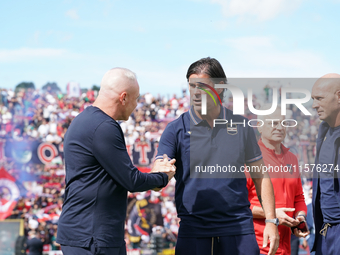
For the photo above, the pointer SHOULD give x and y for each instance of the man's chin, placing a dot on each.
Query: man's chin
(322, 116)
(277, 139)
(197, 109)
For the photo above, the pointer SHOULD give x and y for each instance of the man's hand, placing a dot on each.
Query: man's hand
(298, 232)
(165, 166)
(271, 234)
(284, 219)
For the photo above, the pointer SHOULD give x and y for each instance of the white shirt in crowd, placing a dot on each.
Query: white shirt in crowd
(43, 130)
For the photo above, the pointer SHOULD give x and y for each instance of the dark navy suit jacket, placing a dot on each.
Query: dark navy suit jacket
(317, 214)
(99, 172)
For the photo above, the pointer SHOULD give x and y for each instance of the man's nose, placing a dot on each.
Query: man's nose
(315, 104)
(279, 125)
(197, 90)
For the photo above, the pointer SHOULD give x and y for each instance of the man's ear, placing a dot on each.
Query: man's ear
(221, 89)
(122, 98)
(337, 93)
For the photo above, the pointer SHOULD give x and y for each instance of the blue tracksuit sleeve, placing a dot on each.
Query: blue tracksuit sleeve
(167, 143)
(252, 149)
(110, 150)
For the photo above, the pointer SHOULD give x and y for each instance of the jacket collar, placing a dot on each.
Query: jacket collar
(323, 130)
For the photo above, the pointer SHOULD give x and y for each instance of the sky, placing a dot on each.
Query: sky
(73, 40)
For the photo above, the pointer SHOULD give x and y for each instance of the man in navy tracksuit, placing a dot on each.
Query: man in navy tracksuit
(99, 171)
(211, 194)
(326, 194)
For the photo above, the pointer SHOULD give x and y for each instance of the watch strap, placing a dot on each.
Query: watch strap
(275, 221)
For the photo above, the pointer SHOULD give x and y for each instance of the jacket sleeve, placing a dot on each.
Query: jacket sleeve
(110, 151)
(167, 143)
(299, 201)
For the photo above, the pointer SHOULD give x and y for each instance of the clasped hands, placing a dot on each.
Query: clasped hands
(165, 165)
(287, 221)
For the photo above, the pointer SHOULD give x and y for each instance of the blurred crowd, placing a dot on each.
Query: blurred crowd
(45, 115)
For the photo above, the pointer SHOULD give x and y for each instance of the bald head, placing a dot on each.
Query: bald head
(117, 80)
(331, 75)
(326, 98)
(119, 92)
(330, 82)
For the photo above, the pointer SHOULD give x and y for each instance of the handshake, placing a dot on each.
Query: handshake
(164, 165)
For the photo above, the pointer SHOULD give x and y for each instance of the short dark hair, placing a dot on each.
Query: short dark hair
(209, 66)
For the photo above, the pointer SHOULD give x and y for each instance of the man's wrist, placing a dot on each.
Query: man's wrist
(301, 215)
(274, 221)
(165, 180)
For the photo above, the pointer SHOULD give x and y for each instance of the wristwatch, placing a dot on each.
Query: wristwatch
(275, 221)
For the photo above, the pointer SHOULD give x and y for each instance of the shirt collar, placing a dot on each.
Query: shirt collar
(197, 120)
(284, 149)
